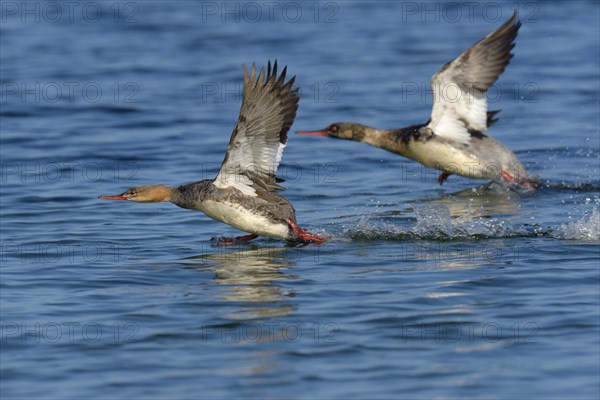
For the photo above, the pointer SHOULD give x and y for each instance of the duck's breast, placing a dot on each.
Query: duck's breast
(481, 158)
(445, 156)
(246, 218)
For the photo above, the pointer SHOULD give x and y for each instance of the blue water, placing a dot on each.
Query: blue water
(460, 291)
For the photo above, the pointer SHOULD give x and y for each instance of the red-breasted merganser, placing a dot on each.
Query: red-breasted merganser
(453, 140)
(243, 194)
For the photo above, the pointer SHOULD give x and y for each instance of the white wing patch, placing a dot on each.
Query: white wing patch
(239, 182)
(456, 111)
(279, 154)
(474, 109)
(449, 126)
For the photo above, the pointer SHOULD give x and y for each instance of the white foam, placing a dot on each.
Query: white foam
(587, 228)
(433, 222)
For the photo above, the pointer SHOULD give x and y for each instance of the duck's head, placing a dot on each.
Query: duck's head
(145, 194)
(340, 130)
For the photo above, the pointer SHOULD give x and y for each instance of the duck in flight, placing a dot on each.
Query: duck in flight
(244, 193)
(454, 139)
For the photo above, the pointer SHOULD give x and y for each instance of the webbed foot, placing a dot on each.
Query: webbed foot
(304, 235)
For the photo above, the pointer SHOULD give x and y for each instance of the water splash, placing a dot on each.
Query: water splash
(436, 222)
(587, 228)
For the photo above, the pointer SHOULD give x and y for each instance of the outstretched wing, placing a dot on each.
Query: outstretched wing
(459, 102)
(268, 110)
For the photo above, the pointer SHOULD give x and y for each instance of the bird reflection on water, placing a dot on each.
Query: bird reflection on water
(485, 201)
(249, 276)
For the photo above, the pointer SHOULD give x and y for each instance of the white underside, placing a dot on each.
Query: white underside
(241, 218)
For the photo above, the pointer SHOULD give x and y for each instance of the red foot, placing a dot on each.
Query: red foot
(227, 241)
(442, 178)
(508, 177)
(304, 234)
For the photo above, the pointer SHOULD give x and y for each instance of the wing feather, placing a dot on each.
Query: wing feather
(459, 100)
(256, 146)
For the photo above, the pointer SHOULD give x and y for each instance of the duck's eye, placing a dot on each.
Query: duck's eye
(334, 128)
